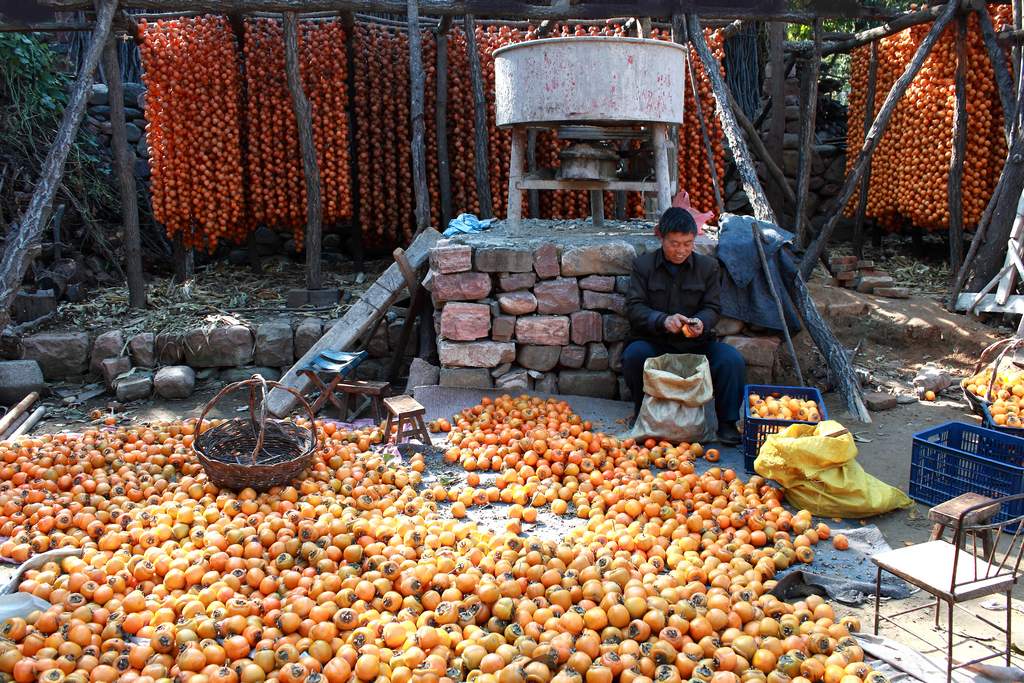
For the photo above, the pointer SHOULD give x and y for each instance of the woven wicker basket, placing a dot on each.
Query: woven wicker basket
(257, 452)
(980, 405)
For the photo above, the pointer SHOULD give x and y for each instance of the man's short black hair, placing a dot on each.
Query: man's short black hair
(677, 220)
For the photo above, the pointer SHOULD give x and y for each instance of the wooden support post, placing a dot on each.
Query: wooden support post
(416, 297)
(515, 174)
(483, 182)
(817, 247)
(992, 249)
(1018, 75)
(184, 260)
(865, 183)
(1004, 82)
(237, 21)
(441, 122)
(419, 125)
(741, 155)
(597, 208)
(659, 133)
(778, 177)
(809, 90)
(895, 25)
(709, 153)
(307, 148)
(125, 178)
(533, 196)
(354, 127)
(22, 241)
(777, 96)
(959, 149)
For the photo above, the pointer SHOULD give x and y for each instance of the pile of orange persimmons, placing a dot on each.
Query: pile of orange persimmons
(363, 571)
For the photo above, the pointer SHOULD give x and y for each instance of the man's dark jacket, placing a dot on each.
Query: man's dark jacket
(655, 294)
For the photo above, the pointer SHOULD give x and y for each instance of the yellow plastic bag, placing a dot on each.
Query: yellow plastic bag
(819, 472)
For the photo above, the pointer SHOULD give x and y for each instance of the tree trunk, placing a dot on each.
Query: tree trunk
(992, 251)
(817, 247)
(483, 181)
(1004, 82)
(125, 178)
(22, 241)
(959, 150)
(419, 126)
(809, 81)
(865, 183)
(307, 147)
(777, 95)
(441, 123)
(741, 155)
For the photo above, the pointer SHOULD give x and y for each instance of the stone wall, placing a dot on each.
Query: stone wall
(97, 122)
(549, 317)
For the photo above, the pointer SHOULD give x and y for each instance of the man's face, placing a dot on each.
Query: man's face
(677, 246)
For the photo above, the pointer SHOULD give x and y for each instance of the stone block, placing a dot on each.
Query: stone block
(175, 381)
(106, 345)
(111, 368)
(517, 303)
(547, 383)
(501, 369)
(756, 351)
(221, 347)
(844, 309)
(608, 258)
(602, 301)
(142, 349)
(597, 356)
(839, 261)
(546, 262)
(622, 284)
(877, 401)
(274, 344)
(29, 306)
(421, 374)
(728, 326)
(545, 330)
(378, 346)
(451, 258)
(477, 354)
(759, 375)
(503, 260)
(461, 286)
(585, 327)
(931, 378)
(615, 356)
(596, 383)
(893, 292)
(510, 282)
(169, 349)
(572, 356)
(18, 379)
(616, 327)
(517, 380)
(134, 387)
(557, 297)
(599, 283)
(59, 354)
(466, 378)
(624, 393)
(465, 322)
(307, 333)
(503, 327)
(868, 283)
(541, 358)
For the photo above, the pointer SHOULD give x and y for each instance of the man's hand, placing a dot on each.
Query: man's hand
(693, 328)
(674, 323)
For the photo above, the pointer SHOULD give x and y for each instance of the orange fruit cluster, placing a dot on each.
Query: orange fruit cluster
(783, 407)
(1007, 395)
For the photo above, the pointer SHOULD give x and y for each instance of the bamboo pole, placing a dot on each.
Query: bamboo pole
(419, 125)
(17, 410)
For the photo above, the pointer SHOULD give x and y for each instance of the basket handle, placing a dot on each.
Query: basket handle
(257, 380)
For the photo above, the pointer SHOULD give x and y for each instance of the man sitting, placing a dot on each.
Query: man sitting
(673, 308)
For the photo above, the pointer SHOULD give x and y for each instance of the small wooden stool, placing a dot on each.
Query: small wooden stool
(405, 411)
(948, 514)
(364, 387)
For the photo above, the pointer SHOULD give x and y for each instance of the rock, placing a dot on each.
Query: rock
(141, 168)
(844, 309)
(868, 283)
(477, 354)
(541, 358)
(169, 349)
(893, 292)
(608, 258)
(378, 347)
(546, 262)
(29, 306)
(112, 368)
(931, 378)
(267, 242)
(59, 354)
(503, 327)
(175, 381)
(515, 380)
(545, 330)
(18, 379)
(624, 393)
(547, 383)
(728, 326)
(599, 283)
(919, 328)
(558, 296)
(395, 336)
(501, 369)
(421, 374)
(616, 327)
(585, 327)
(572, 356)
(615, 356)
(107, 345)
(274, 346)
(142, 348)
(465, 322)
(877, 401)
(503, 260)
(307, 333)
(132, 132)
(597, 383)
(99, 95)
(451, 258)
(132, 95)
(756, 351)
(239, 374)
(616, 303)
(461, 286)
(229, 346)
(759, 375)
(509, 282)
(622, 284)
(134, 387)
(517, 303)
(466, 378)
(238, 257)
(597, 356)
(372, 369)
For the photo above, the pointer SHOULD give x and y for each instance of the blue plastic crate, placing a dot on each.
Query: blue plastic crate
(757, 429)
(957, 458)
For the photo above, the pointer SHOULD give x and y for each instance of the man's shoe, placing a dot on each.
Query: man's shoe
(729, 435)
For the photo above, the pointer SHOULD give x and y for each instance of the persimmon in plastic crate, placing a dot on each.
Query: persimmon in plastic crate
(756, 429)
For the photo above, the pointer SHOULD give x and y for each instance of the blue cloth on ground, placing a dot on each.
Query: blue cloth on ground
(466, 223)
(746, 295)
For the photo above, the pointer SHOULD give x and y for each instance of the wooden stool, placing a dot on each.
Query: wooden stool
(405, 411)
(337, 365)
(365, 387)
(948, 514)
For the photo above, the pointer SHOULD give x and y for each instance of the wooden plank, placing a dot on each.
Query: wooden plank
(418, 115)
(959, 149)
(865, 183)
(554, 184)
(809, 90)
(480, 128)
(364, 313)
(1014, 304)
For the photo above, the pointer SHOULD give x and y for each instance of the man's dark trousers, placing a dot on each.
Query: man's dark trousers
(728, 374)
